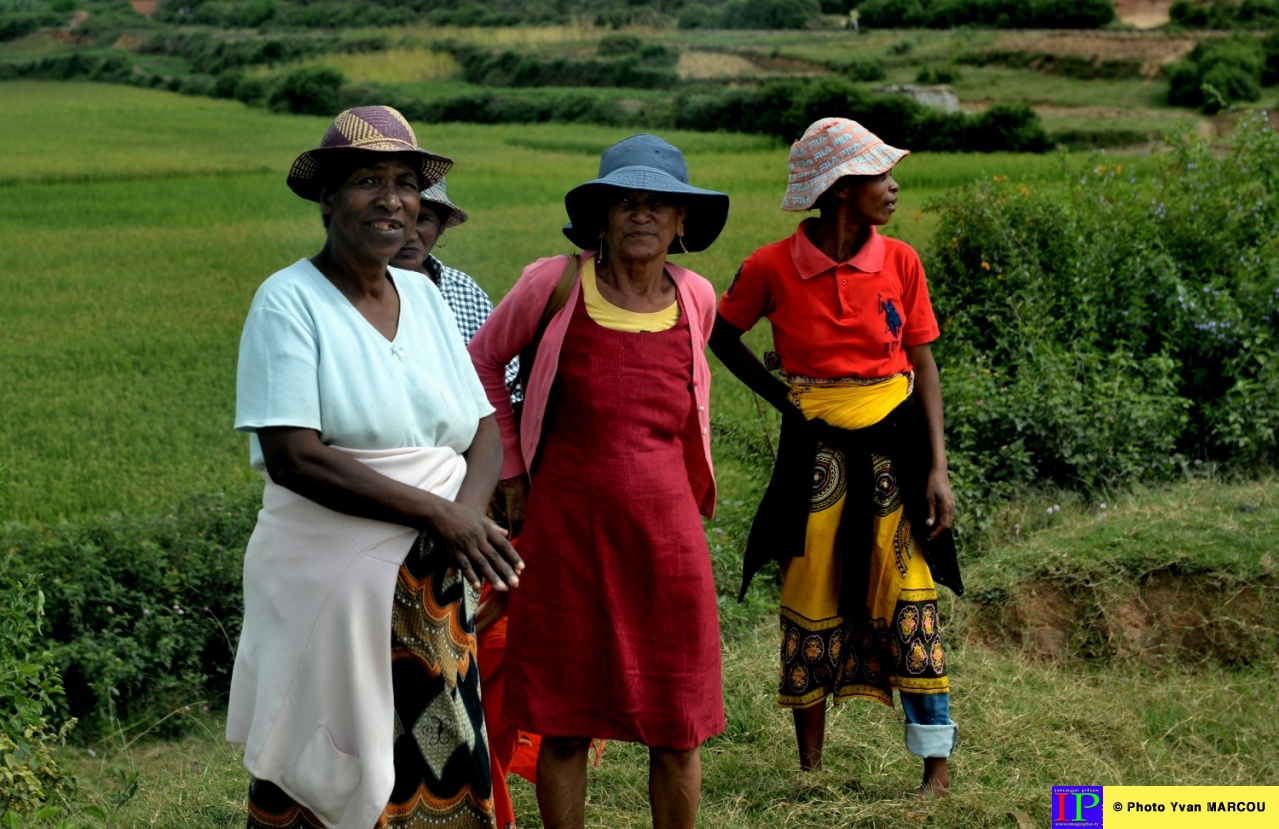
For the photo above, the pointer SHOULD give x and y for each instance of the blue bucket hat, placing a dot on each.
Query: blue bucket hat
(644, 162)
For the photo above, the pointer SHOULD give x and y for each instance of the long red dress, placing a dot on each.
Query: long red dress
(614, 629)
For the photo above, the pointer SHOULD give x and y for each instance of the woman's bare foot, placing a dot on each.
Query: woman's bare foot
(936, 779)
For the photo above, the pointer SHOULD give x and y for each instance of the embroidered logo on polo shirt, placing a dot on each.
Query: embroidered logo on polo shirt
(892, 319)
(733, 284)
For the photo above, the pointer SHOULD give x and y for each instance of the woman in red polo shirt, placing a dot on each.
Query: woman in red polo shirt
(859, 508)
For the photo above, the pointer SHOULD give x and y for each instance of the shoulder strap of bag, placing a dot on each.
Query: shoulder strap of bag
(554, 304)
(559, 296)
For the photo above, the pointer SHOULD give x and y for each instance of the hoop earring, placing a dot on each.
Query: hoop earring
(441, 242)
(681, 243)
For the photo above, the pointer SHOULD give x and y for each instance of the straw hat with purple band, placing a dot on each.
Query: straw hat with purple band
(377, 129)
(831, 149)
(438, 196)
(644, 162)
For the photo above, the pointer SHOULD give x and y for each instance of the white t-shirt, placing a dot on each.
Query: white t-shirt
(309, 359)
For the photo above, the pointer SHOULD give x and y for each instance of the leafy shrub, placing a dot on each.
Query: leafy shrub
(892, 14)
(1095, 139)
(144, 610)
(215, 54)
(1270, 49)
(1232, 67)
(109, 68)
(1217, 14)
(1072, 66)
(1010, 127)
(14, 25)
(310, 90)
(472, 14)
(1259, 13)
(901, 47)
(1109, 330)
(611, 46)
(864, 70)
(937, 74)
(30, 776)
(769, 14)
(1002, 14)
(697, 16)
(785, 108)
(1071, 14)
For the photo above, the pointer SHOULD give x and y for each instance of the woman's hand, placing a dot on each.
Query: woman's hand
(941, 502)
(478, 546)
(514, 492)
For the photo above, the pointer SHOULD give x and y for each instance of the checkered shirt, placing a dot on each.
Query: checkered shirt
(471, 306)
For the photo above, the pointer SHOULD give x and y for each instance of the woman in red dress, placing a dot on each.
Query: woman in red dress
(614, 632)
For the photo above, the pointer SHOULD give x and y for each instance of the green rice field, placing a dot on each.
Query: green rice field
(135, 226)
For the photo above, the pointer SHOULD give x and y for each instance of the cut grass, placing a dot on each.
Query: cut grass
(1023, 728)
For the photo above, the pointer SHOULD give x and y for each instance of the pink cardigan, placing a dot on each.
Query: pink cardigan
(513, 325)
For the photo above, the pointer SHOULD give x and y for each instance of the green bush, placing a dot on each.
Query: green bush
(30, 776)
(1219, 14)
(1071, 66)
(769, 14)
(14, 25)
(785, 108)
(697, 16)
(1002, 14)
(937, 74)
(1218, 72)
(867, 69)
(473, 14)
(214, 54)
(311, 90)
(1270, 49)
(1114, 328)
(143, 611)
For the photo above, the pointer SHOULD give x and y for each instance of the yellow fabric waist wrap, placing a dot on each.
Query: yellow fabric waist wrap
(848, 404)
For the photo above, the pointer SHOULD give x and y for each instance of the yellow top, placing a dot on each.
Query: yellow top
(619, 319)
(848, 404)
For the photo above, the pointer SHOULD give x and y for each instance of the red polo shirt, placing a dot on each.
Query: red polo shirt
(835, 319)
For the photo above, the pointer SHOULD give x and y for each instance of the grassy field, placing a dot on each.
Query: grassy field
(117, 377)
(1025, 724)
(122, 324)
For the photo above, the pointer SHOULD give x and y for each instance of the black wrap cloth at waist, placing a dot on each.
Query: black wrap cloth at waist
(781, 523)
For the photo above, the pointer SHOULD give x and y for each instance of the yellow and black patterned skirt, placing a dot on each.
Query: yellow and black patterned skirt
(897, 642)
(442, 776)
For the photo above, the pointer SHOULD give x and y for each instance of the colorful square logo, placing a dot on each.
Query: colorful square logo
(1077, 807)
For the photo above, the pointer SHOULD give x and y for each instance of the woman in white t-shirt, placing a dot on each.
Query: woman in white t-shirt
(355, 690)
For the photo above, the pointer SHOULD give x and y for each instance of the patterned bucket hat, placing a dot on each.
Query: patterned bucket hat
(831, 149)
(645, 162)
(437, 195)
(378, 129)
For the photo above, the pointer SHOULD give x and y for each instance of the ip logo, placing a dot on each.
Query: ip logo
(1078, 807)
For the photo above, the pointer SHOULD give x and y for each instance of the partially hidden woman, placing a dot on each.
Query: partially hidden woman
(859, 508)
(471, 306)
(614, 631)
(355, 689)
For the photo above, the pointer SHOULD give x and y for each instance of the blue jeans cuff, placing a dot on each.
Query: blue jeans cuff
(931, 740)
